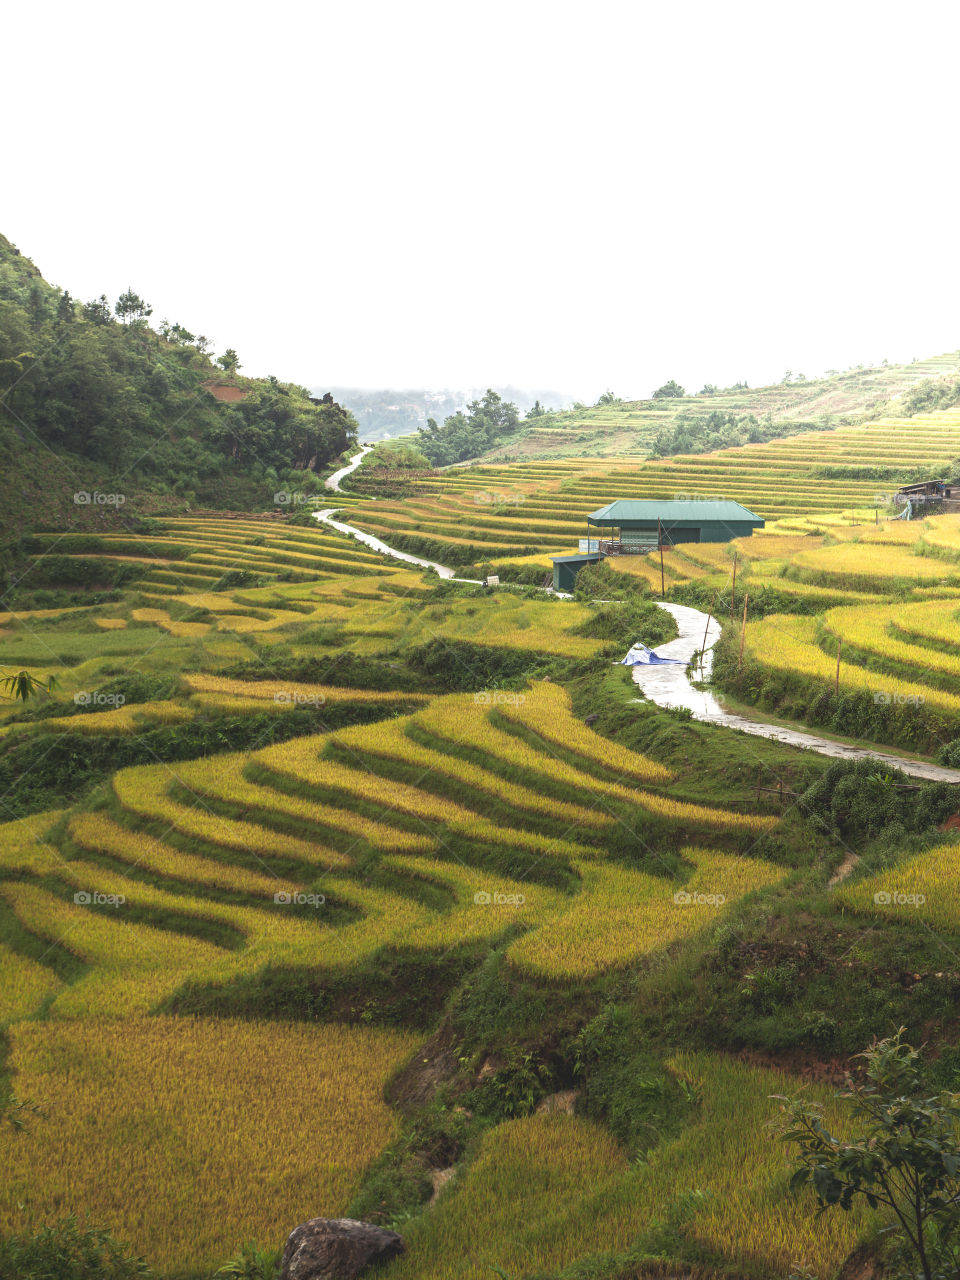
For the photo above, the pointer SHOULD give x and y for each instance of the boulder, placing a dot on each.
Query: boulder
(336, 1249)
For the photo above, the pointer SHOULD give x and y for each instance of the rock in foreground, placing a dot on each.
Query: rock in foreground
(336, 1249)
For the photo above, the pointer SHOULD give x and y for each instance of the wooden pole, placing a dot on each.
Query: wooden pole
(703, 647)
(663, 590)
(743, 630)
(733, 589)
(837, 685)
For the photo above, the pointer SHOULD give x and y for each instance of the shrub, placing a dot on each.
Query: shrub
(68, 1251)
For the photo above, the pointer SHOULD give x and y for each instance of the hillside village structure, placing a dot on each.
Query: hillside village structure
(630, 526)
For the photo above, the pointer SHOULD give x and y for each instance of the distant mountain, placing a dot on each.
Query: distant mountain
(384, 413)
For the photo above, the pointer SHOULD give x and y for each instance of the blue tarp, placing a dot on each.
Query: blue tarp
(640, 653)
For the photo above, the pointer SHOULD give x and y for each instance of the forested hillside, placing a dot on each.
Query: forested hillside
(95, 400)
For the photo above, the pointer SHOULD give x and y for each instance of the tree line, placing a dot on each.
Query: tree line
(96, 382)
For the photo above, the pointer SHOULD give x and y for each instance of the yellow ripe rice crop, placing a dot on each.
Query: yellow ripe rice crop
(222, 779)
(623, 914)
(292, 692)
(129, 1110)
(143, 790)
(99, 834)
(25, 984)
(392, 743)
(938, 621)
(773, 546)
(871, 630)
(857, 562)
(545, 709)
(299, 759)
(111, 624)
(895, 531)
(460, 720)
(926, 887)
(132, 965)
(123, 719)
(787, 643)
(942, 531)
(521, 1205)
(162, 619)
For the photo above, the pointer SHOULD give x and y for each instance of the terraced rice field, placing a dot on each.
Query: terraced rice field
(195, 861)
(484, 513)
(409, 827)
(549, 1189)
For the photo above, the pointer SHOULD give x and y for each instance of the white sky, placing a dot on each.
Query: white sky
(542, 193)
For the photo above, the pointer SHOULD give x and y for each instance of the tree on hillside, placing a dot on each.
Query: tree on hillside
(668, 390)
(98, 310)
(608, 398)
(131, 308)
(903, 1153)
(471, 431)
(538, 411)
(229, 362)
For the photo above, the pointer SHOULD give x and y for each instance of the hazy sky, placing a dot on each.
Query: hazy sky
(539, 193)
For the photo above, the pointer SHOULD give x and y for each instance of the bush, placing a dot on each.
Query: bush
(67, 1251)
(860, 798)
(252, 1263)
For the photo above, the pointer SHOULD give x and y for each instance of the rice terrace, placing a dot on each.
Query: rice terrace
(410, 842)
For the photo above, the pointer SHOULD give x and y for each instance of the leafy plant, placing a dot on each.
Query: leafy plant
(68, 1251)
(904, 1153)
(252, 1263)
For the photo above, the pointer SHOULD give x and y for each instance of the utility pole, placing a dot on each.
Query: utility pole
(703, 647)
(663, 590)
(743, 630)
(733, 589)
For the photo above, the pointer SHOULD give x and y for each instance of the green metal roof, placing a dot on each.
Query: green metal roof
(684, 511)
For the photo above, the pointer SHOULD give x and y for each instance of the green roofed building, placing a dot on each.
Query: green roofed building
(630, 526)
(634, 525)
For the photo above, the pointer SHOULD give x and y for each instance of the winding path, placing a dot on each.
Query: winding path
(368, 540)
(333, 482)
(669, 686)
